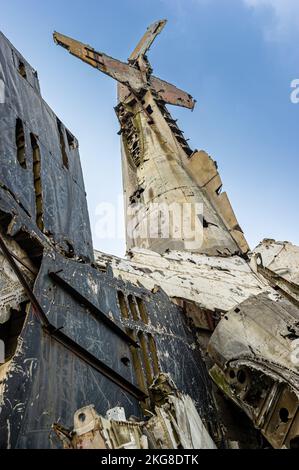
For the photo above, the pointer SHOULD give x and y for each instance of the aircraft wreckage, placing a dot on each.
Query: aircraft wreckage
(181, 344)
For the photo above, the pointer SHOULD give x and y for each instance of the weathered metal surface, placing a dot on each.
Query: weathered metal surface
(120, 71)
(65, 214)
(12, 294)
(254, 344)
(86, 352)
(174, 424)
(170, 94)
(213, 283)
(280, 257)
(156, 157)
(204, 171)
(111, 328)
(43, 369)
(147, 39)
(278, 263)
(252, 349)
(127, 74)
(75, 382)
(24, 283)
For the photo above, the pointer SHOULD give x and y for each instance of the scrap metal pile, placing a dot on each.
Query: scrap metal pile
(185, 343)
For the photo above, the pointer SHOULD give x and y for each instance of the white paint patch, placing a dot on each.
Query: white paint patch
(8, 435)
(2, 91)
(213, 282)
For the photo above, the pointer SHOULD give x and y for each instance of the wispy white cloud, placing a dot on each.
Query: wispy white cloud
(280, 17)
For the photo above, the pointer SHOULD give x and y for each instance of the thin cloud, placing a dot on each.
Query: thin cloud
(280, 17)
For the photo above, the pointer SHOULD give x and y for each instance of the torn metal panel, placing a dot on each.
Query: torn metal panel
(280, 257)
(259, 330)
(159, 327)
(12, 294)
(272, 407)
(201, 318)
(177, 415)
(174, 424)
(252, 349)
(147, 39)
(205, 172)
(213, 283)
(286, 288)
(93, 431)
(33, 389)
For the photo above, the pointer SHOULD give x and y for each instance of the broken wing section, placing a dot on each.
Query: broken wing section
(170, 94)
(257, 367)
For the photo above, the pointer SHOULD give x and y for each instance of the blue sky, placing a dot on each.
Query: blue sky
(236, 57)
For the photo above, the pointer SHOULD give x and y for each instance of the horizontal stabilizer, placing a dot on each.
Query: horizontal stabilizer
(124, 73)
(146, 41)
(120, 71)
(170, 94)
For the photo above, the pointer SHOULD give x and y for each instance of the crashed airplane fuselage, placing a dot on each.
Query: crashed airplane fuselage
(190, 316)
